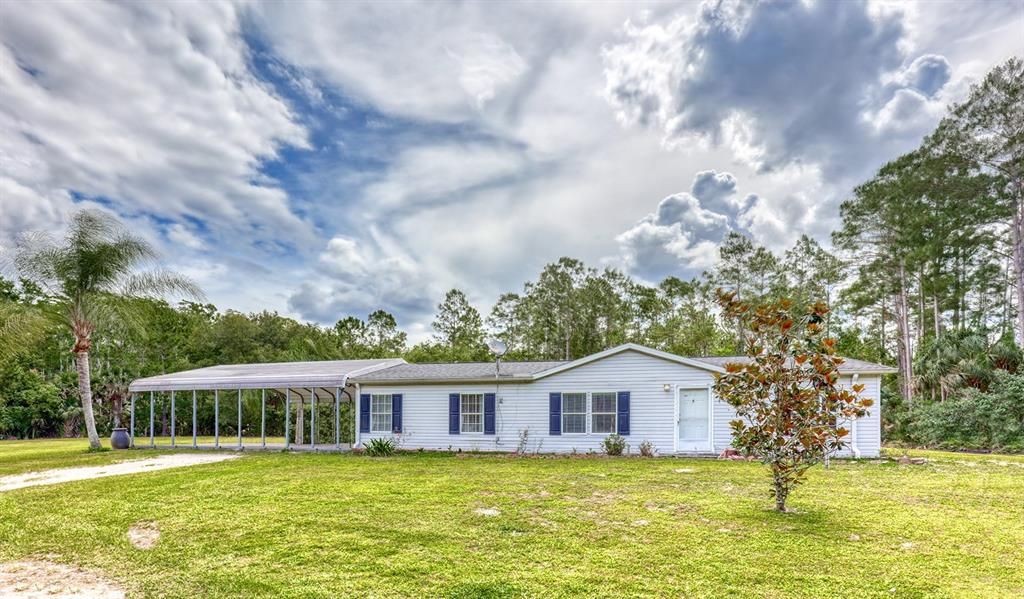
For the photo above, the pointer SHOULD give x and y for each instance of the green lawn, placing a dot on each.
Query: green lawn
(327, 525)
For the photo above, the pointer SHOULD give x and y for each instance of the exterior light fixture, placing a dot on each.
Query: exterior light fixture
(667, 387)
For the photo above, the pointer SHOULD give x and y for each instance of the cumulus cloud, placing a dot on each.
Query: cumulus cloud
(355, 277)
(150, 108)
(927, 74)
(917, 97)
(681, 236)
(776, 82)
(715, 190)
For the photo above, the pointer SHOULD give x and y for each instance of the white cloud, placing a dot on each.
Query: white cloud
(440, 173)
(354, 277)
(681, 237)
(716, 191)
(426, 61)
(25, 209)
(150, 107)
(492, 132)
(776, 82)
(181, 235)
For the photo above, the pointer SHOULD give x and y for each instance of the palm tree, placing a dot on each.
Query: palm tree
(92, 276)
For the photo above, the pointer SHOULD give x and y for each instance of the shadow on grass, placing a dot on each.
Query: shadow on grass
(484, 590)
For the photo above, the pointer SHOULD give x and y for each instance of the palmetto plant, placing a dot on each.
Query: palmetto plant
(959, 359)
(92, 277)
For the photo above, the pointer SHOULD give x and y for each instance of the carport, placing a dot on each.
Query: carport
(301, 386)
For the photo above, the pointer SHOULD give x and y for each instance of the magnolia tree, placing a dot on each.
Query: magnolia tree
(787, 397)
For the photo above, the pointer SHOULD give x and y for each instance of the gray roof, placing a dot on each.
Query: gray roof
(850, 365)
(329, 374)
(456, 371)
(275, 375)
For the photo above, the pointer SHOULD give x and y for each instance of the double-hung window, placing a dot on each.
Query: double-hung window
(471, 408)
(602, 412)
(380, 413)
(574, 413)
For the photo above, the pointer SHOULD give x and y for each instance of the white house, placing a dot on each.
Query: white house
(640, 393)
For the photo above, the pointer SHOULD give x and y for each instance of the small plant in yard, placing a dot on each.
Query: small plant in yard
(381, 447)
(788, 401)
(524, 440)
(647, 449)
(614, 444)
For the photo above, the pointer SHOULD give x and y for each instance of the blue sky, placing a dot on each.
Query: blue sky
(326, 159)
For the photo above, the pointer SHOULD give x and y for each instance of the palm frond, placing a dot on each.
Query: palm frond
(93, 273)
(160, 283)
(21, 327)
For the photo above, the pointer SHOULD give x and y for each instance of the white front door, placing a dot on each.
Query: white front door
(693, 425)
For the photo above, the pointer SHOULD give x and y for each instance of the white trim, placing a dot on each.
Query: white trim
(711, 416)
(710, 419)
(675, 418)
(386, 363)
(356, 401)
(483, 401)
(627, 347)
(390, 412)
(853, 424)
(614, 413)
(586, 412)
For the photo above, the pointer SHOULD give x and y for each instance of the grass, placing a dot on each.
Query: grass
(324, 525)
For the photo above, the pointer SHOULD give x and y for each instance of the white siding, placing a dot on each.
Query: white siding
(869, 428)
(524, 406)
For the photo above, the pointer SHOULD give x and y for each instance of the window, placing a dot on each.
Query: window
(380, 413)
(471, 409)
(602, 412)
(574, 413)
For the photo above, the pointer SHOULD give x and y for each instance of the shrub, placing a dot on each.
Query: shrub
(896, 418)
(614, 444)
(972, 419)
(524, 440)
(647, 449)
(381, 447)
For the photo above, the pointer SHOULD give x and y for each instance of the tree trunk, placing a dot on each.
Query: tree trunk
(1018, 260)
(903, 347)
(883, 327)
(780, 492)
(920, 305)
(85, 392)
(300, 423)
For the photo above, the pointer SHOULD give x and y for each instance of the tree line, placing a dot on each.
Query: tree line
(926, 273)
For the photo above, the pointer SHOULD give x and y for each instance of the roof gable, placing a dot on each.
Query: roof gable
(642, 349)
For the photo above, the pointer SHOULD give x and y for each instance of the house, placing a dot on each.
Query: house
(640, 393)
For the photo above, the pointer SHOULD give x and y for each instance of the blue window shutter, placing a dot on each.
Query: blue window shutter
(364, 413)
(623, 427)
(555, 413)
(453, 414)
(489, 413)
(396, 413)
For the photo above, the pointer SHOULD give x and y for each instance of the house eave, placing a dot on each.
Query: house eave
(447, 381)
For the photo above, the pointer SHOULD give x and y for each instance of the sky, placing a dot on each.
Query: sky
(329, 159)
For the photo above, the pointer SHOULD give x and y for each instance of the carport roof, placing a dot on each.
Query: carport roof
(275, 375)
